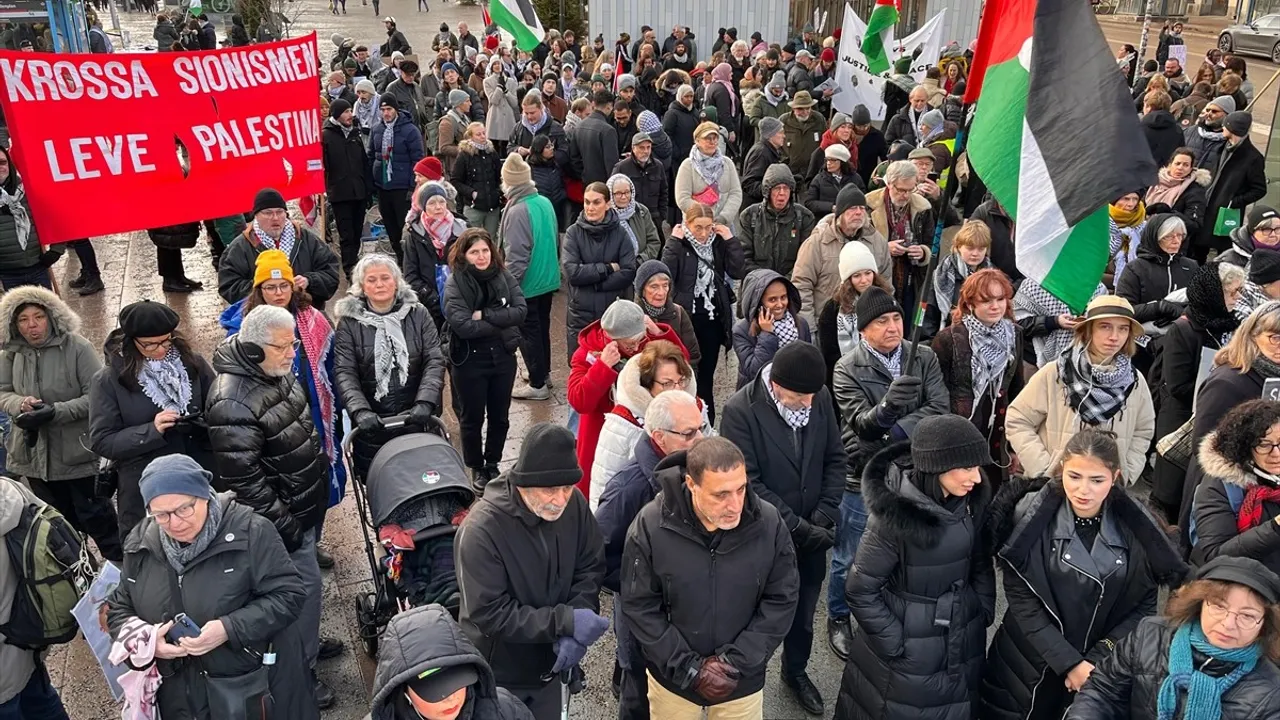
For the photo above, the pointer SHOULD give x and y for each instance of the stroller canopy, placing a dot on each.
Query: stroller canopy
(416, 467)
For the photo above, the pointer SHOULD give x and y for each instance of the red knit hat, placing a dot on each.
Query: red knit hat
(429, 168)
(828, 55)
(836, 33)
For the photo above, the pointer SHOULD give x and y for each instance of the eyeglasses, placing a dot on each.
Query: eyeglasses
(1266, 447)
(1271, 338)
(1244, 619)
(182, 512)
(683, 434)
(166, 344)
(285, 347)
(1271, 230)
(679, 384)
(279, 287)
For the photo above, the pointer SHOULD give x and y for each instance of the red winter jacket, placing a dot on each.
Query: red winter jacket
(591, 390)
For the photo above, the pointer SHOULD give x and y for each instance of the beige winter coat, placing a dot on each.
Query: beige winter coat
(937, 95)
(689, 183)
(1039, 424)
(817, 271)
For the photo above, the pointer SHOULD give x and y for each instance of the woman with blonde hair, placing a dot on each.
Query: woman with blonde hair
(1094, 384)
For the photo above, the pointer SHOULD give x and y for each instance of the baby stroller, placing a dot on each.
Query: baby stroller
(415, 496)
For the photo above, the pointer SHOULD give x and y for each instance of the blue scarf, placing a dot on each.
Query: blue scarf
(532, 128)
(1204, 692)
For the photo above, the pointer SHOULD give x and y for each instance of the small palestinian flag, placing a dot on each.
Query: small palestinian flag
(520, 19)
(879, 35)
(1054, 138)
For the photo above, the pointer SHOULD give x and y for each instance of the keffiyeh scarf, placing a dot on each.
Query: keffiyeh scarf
(390, 352)
(704, 286)
(1032, 300)
(785, 329)
(795, 419)
(708, 167)
(1251, 298)
(284, 244)
(951, 274)
(1125, 240)
(166, 382)
(366, 113)
(891, 362)
(316, 335)
(1095, 393)
(846, 331)
(388, 138)
(991, 349)
(16, 204)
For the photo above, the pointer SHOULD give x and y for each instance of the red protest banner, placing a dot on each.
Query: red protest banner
(95, 137)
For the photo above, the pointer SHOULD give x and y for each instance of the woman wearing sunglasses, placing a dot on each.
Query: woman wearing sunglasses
(147, 401)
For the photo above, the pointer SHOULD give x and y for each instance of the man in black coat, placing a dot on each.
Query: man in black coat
(396, 42)
(1239, 180)
(767, 151)
(315, 266)
(991, 214)
(346, 179)
(594, 149)
(785, 424)
(208, 34)
(530, 560)
(1164, 134)
(711, 584)
(648, 174)
(268, 453)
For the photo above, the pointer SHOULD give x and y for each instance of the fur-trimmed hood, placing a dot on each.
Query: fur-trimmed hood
(1024, 510)
(468, 147)
(1215, 464)
(354, 303)
(1203, 177)
(62, 319)
(635, 398)
(906, 512)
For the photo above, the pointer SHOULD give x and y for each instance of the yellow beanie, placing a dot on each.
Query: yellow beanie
(272, 265)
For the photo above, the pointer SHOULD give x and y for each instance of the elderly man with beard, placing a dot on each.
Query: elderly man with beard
(269, 454)
(816, 272)
(1205, 137)
(530, 561)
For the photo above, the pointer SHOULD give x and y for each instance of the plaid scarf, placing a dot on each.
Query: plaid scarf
(795, 419)
(991, 350)
(284, 244)
(785, 329)
(892, 362)
(1095, 393)
(1267, 490)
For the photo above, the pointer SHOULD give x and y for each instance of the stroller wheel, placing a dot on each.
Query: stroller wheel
(367, 623)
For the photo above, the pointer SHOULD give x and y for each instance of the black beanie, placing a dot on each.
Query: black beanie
(337, 107)
(873, 303)
(1257, 215)
(946, 442)
(387, 100)
(1264, 266)
(266, 199)
(548, 458)
(849, 196)
(793, 368)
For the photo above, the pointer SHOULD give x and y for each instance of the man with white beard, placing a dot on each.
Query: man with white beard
(530, 560)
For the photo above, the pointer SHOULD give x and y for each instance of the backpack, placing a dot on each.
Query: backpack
(1235, 496)
(54, 570)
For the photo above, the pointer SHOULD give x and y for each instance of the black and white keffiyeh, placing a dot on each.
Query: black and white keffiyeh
(166, 382)
(991, 349)
(1095, 393)
(1251, 298)
(1032, 300)
(795, 419)
(951, 273)
(847, 331)
(704, 286)
(390, 351)
(284, 244)
(785, 329)
(892, 362)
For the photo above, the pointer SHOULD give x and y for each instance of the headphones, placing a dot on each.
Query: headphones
(253, 351)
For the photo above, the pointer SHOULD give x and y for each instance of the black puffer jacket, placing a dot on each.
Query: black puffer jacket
(688, 594)
(589, 248)
(175, 237)
(354, 359)
(246, 580)
(1059, 615)
(266, 448)
(923, 596)
(521, 579)
(678, 123)
(1154, 273)
(13, 256)
(1127, 684)
(820, 197)
(480, 172)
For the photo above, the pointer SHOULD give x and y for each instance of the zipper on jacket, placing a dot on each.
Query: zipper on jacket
(1045, 672)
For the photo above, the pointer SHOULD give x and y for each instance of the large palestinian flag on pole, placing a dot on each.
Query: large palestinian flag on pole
(1054, 137)
(879, 36)
(520, 19)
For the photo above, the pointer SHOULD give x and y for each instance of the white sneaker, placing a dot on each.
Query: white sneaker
(525, 392)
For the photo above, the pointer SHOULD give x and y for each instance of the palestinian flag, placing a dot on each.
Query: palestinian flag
(1054, 138)
(879, 35)
(520, 19)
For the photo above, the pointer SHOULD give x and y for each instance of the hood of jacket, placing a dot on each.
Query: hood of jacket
(753, 287)
(1160, 120)
(630, 394)
(1241, 241)
(353, 305)
(1024, 508)
(906, 512)
(1215, 464)
(14, 497)
(775, 175)
(598, 230)
(1149, 244)
(677, 503)
(232, 358)
(418, 640)
(63, 320)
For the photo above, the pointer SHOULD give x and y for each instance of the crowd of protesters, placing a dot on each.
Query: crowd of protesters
(687, 197)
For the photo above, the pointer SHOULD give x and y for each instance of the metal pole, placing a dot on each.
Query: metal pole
(1142, 44)
(560, 27)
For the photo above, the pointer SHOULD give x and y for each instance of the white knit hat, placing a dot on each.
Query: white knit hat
(855, 256)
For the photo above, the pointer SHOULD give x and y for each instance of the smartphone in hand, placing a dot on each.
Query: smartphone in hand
(183, 626)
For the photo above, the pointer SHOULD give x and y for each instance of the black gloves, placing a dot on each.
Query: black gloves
(903, 395)
(368, 421)
(421, 415)
(33, 419)
(813, 538)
